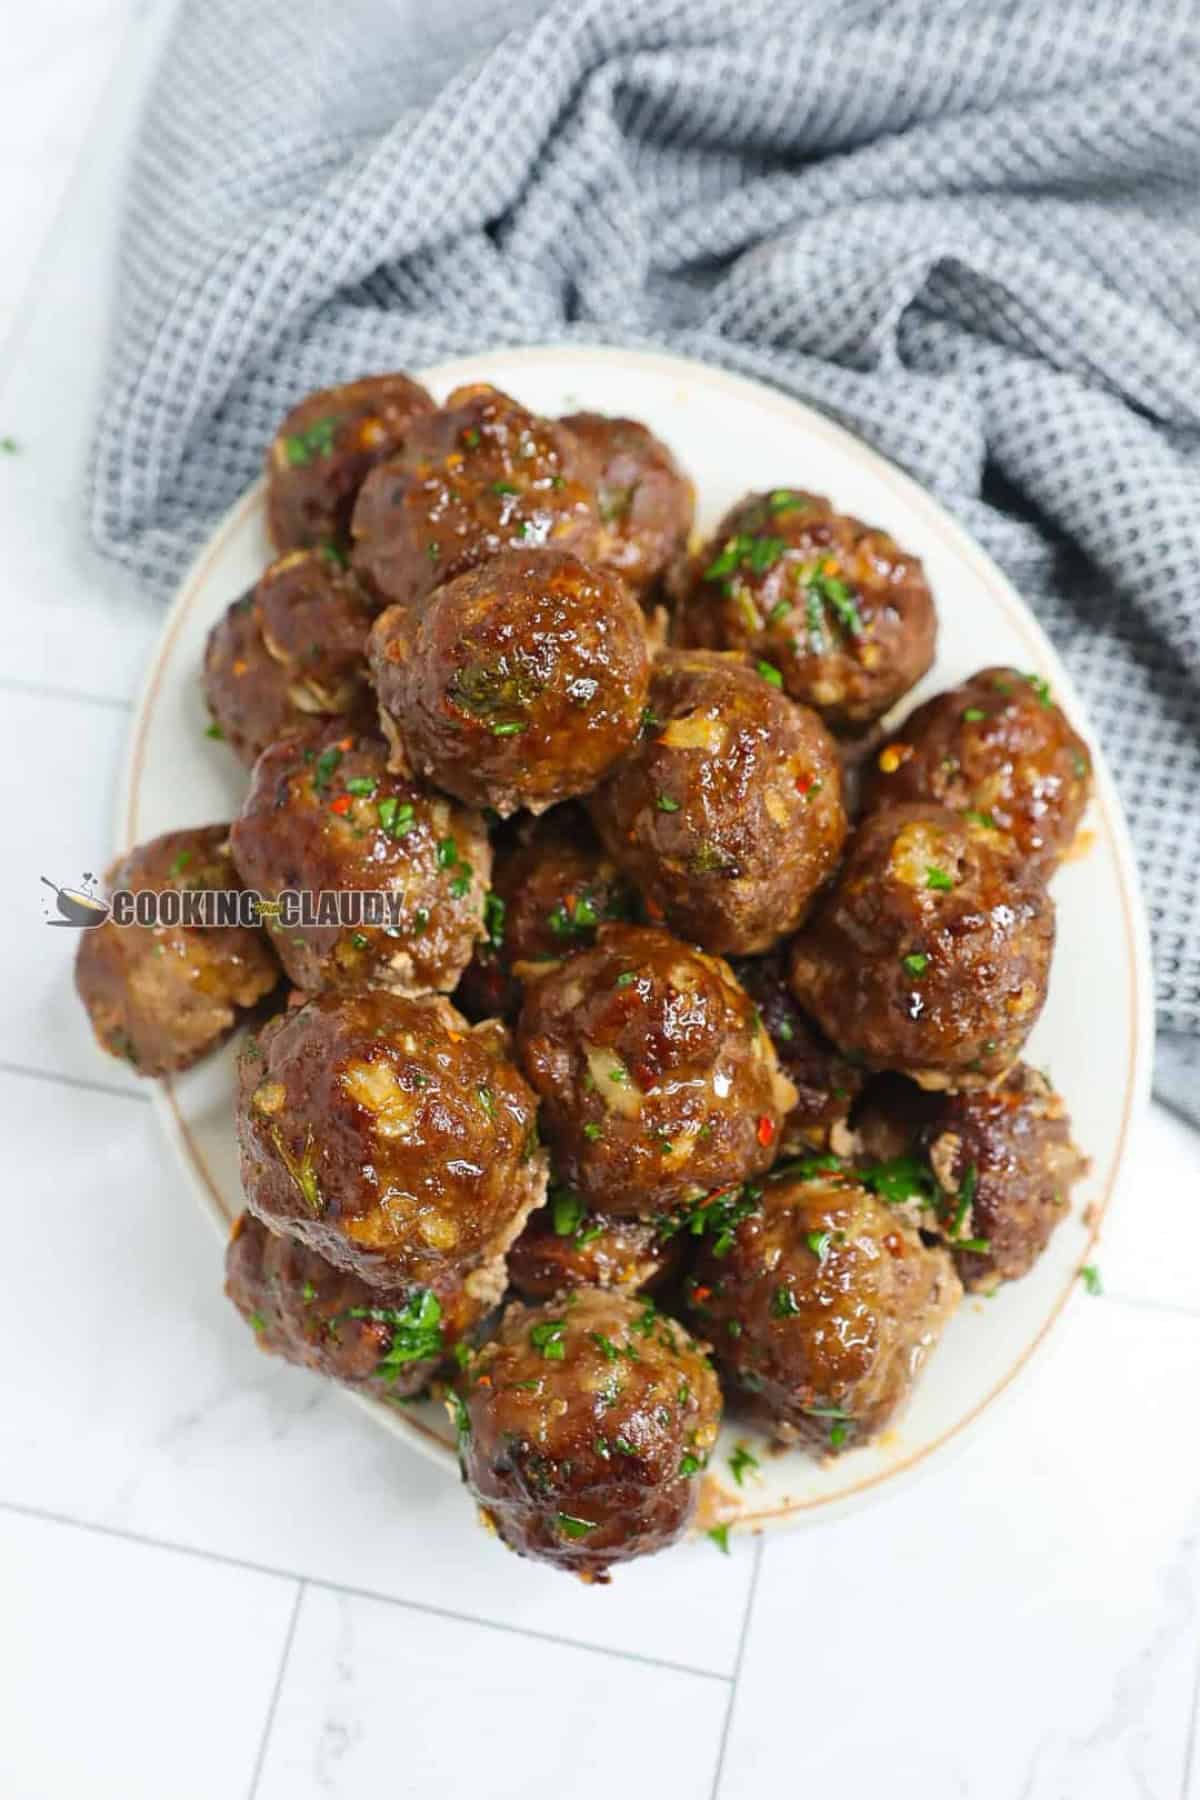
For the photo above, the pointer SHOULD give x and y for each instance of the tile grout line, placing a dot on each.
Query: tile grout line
(752, 1592)
(74, 1081)
(44, 690)
(273, 1705)
(357, 1593)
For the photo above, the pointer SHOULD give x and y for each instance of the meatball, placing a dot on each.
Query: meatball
(552, 888)
(323, 452)
(1004, 1164)
(727, 813)
(822, 1306)
(582, 1427)
(645, 501)
(837, 607)
(519, 683)
(161, 996)
(657, 1082)
(479, 476)
(391, 1138)
(565, 1246)
(325, 816)
(996, 747)
(826, 1084)
(931, 953)
(288, 653)
(387, 1342)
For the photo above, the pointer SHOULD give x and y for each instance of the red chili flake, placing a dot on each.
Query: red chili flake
(342, 804)
(803, 784)
(766, 1131)
(702, 1294)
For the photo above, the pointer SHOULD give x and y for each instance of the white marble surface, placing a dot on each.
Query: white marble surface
(217, 1580)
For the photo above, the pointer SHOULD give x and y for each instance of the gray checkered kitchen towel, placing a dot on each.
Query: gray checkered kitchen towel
(970, 229)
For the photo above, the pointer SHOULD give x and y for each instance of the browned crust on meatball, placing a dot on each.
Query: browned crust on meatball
(842, 612)
(997, 746)
(931, 953)
(324, 450)
(822, 1309)
(519, 684)
(583, 1428)
(387, 1342)
(727, 813)
(566, 1246)
(480, 475)
(826, 1084)
(1005, 1165)
(162, 997)
(325, 814)
(391, 1138)
(645, 501)
(289, 654)
(552, 889)
(657, 1081)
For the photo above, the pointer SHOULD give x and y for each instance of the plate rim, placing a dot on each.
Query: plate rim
(960, 542)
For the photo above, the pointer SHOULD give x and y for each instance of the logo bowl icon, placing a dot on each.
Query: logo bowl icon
(80, 911)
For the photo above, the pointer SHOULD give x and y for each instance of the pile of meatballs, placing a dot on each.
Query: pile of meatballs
(684, 1070)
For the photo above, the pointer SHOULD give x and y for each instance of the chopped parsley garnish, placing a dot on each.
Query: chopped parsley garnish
(460, 887)
(779, 612)
(827, 591)
(592, 1132)
(720, 1537)
(447, 852)
(770, 673)
(567, 1210)
(690, 1465)
(258, 1322)
(938, 879)
(838, 1433)
(1090, 1277)
(717, 1215)
(214, 731)
(487, 1103)
(754, 554)
(359, 939)
(362, 787)
(548, 1338)
(504, 487)
(493, 918)
(626, 978)
(304, 447)
(506, 727)
(899, 1179)
(396, 816)
(420, 921)
(783, 500)
(973, 714)
(666, 804)
(914, 964)
(1041, 688)
(741, 1463)
(416, 1331)
(981, 818)
(180, 864)
(784, 1304)
(572, 1527)
(606, 1347)
(325, 768)
(818, 1242)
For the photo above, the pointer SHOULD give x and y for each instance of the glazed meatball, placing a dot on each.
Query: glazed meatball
(931, 953)
(996, 747)
(479, 476)
(324, 815)
(1004, 1164)
(391, 1138)
(838, 608)
(519, 683)
(565, 1246)
(657, 1081)
(822, 1307)
(289, 653)
(727, 813)
(161, 996)
(386, 1342)
(552, 888)
(582, 1428)
(323, 452)
(645, 501)
(826, 1084)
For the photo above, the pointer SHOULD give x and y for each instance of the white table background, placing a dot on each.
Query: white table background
(217, 1580)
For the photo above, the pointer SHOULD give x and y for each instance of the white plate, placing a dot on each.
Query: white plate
(734, 435)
